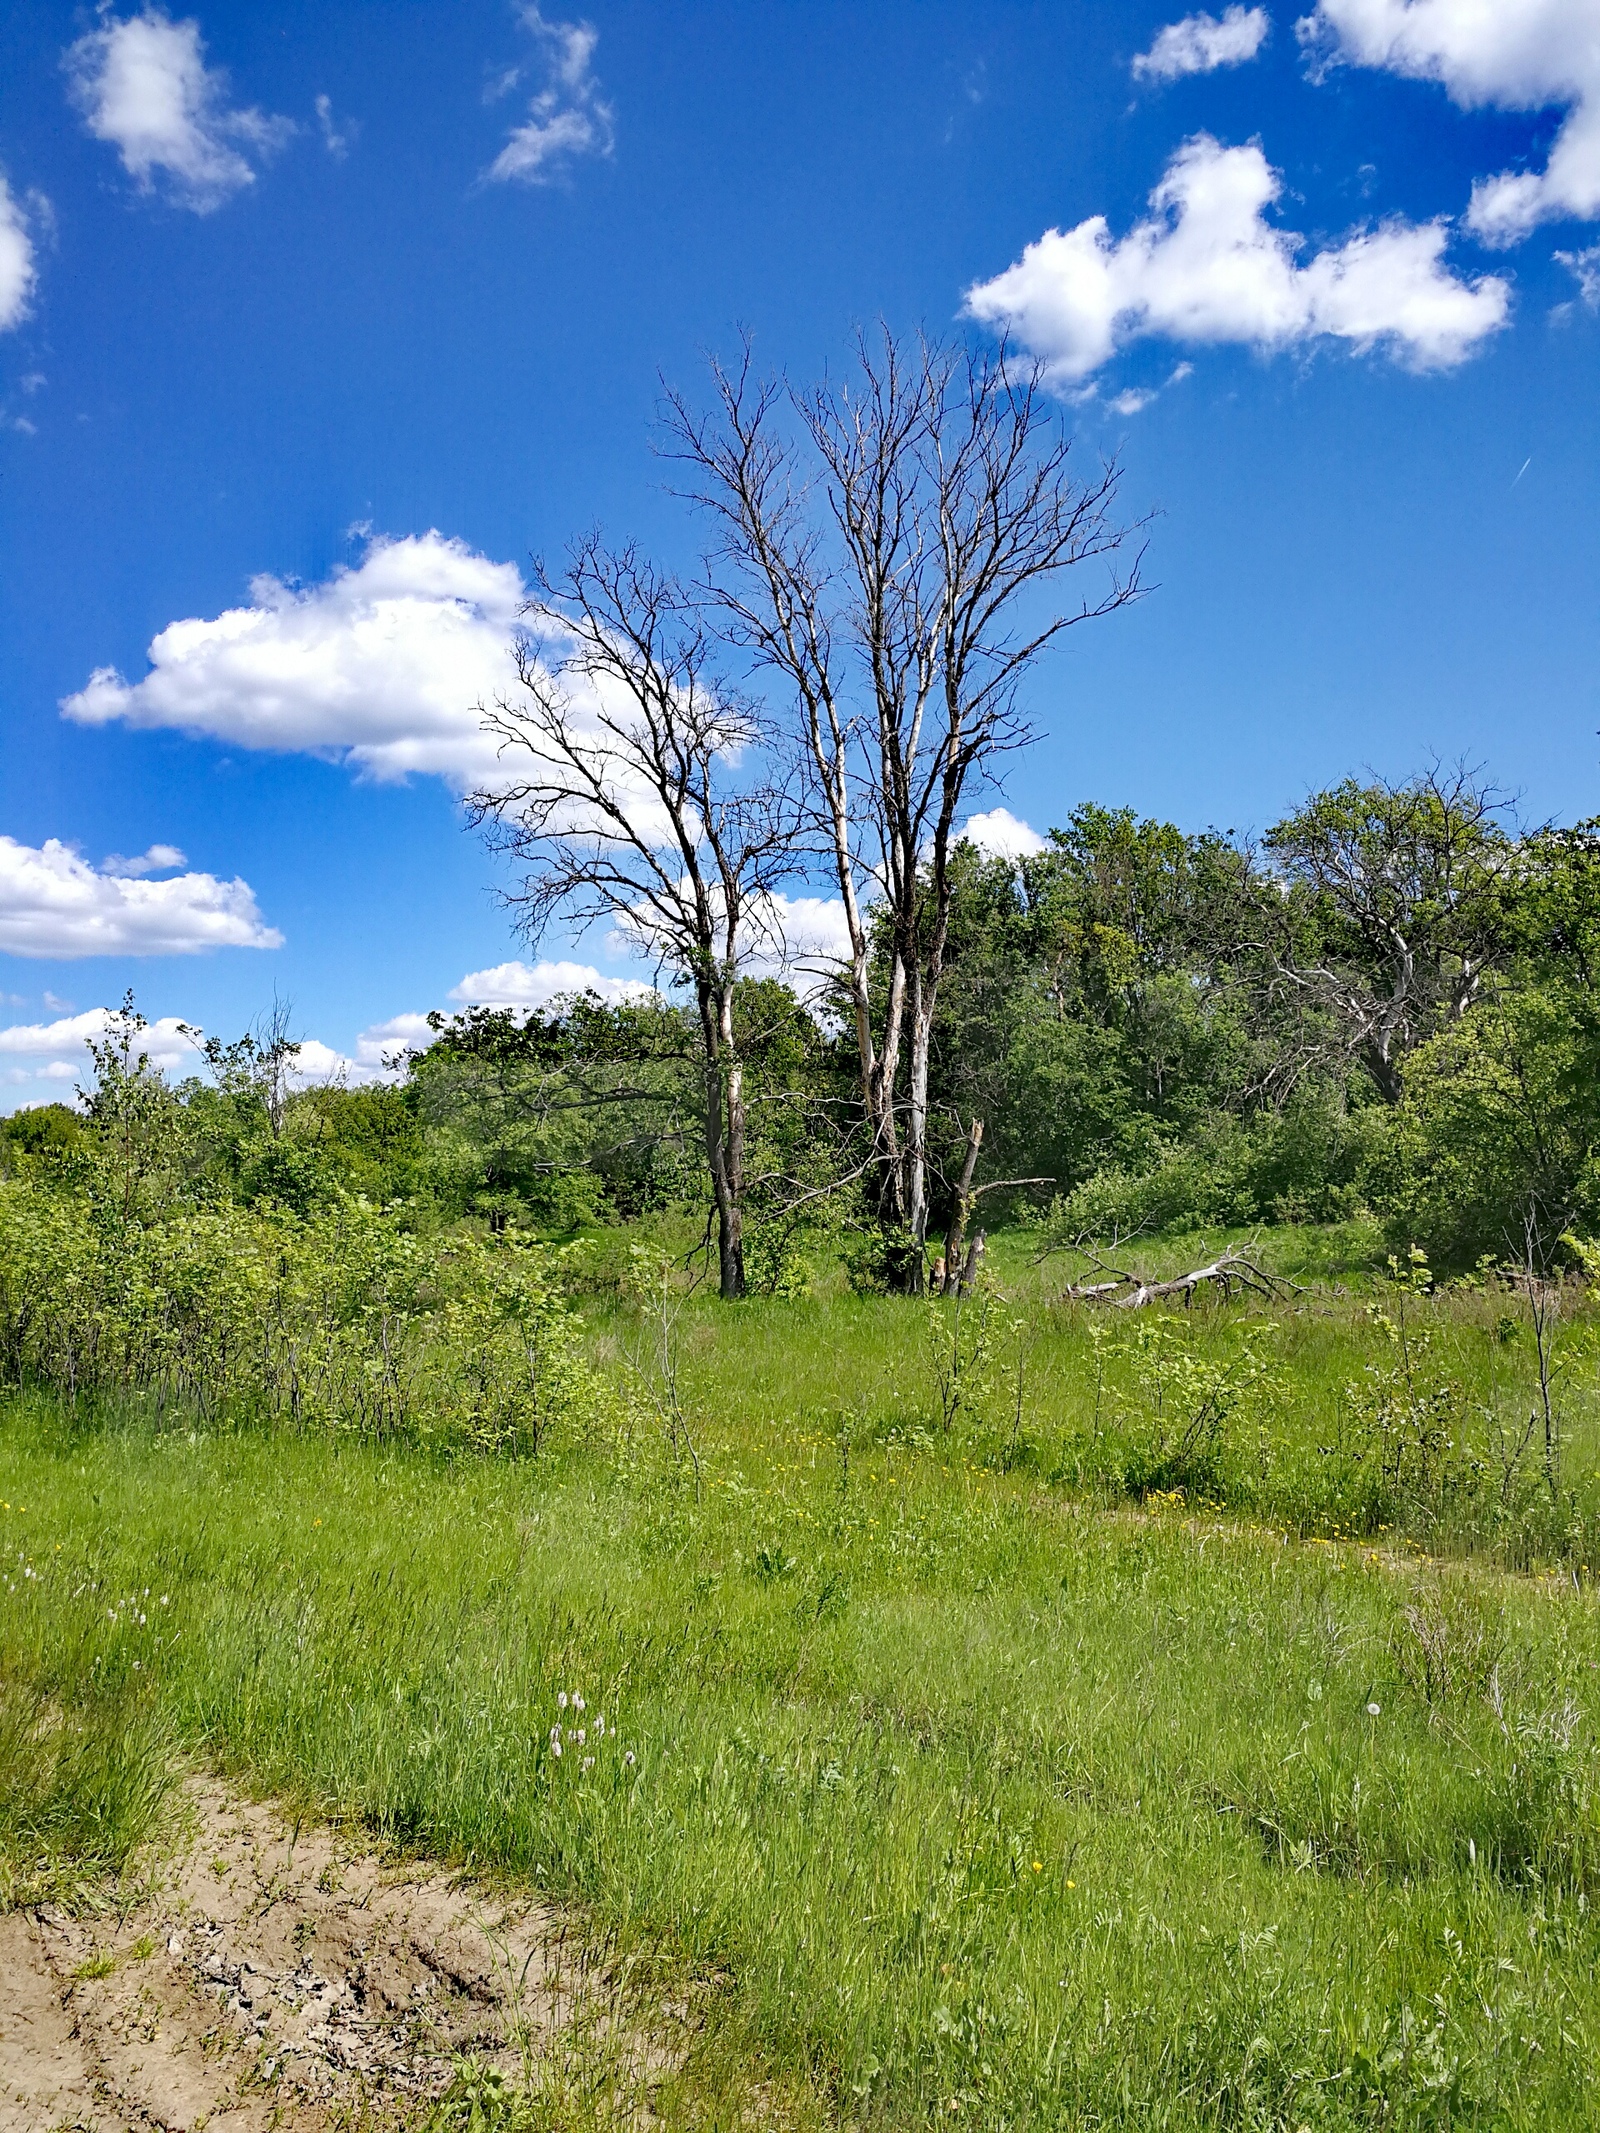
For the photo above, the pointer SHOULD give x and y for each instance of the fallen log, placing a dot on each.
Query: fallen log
(1230, 1270)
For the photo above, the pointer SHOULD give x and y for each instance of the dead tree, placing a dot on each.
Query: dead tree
(626, 798)
(952, 1273)
(890, 548)
(962, 1207)
(1124, 1290)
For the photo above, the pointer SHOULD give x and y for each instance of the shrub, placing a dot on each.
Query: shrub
(344, 1318)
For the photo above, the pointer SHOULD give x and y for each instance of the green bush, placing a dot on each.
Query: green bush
(344, 1318)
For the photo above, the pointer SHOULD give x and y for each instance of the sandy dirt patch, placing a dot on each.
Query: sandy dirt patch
(268, 1975)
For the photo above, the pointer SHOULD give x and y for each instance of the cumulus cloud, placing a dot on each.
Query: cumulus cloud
(380, 667)
(801, 939)
(142, 84)
(1199, 44)
(54, 903)
(18, 274)
(568, 117)
(1207, 267)
(43, 1062)
(999, 834)
(160, 859)
(1513, 55)
(379, 1055)
(58, 1051)
(518, 984)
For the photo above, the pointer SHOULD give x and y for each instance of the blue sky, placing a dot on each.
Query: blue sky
(281, 284)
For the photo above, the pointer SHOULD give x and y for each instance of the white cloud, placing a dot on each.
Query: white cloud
(160, 859)
(143, 85)
(518, 984)
(1131, 401)
(54, 903)
(568, 117)
(1514, 55)
(316, 1064)
(62, 1045)
(381, 667)
(999, 834)
(801, 939)
(1199, 44)
(380, 1041)
(1207, 267)
(1584, 267)
(38, 1058)
(18, 274)
(334, 138)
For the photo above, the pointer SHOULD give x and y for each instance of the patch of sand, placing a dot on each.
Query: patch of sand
(274, 1976)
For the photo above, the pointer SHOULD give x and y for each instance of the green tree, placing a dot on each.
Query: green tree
(139, 1125)
(1389, 909)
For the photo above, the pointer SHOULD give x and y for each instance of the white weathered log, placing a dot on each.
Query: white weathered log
(1126, 1291)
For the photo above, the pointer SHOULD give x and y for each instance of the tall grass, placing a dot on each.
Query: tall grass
(86, 1752)
(965, 1800)
(1362, 1407)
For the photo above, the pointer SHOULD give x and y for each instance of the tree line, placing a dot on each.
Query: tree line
(1385, 1007)
(1382, 1004)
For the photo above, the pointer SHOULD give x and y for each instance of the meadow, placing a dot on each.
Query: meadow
(1197, 1733)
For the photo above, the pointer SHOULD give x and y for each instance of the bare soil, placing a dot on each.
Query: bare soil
(273, 1975)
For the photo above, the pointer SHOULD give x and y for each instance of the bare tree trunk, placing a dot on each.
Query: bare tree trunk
(882, 1117)
(724, 1191)
(955, 1235)
(925, 979)
(726, 1100)
(914, 1158)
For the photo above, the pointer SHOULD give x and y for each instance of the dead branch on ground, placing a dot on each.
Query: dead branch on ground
(1236, 1269)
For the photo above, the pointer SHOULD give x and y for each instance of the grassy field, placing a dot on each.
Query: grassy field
(979, 1762)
